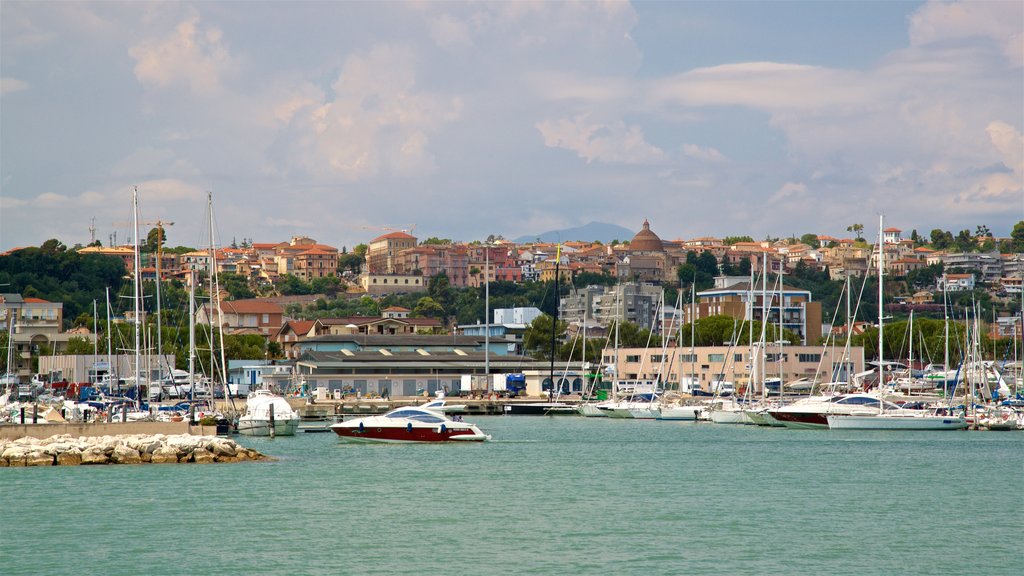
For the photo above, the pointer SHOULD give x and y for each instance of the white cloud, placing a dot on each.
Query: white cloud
(708, 154)
(147, 162)
(11, 85)
(998, 21)
(789, 190)
(449, 32)
(615, 142)
(376, 121)
(191, 55)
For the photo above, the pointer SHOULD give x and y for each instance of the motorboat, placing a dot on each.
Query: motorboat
(443, 406)
(540, 409)
(408, 424)
(897, 420)
(812, 412)
(680, 412)
(263, 407)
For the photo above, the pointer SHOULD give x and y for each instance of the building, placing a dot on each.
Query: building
(989, 266)
(956, 282)
(733, 364)
(631, 302)
(34, 326)
(509, 324)
(735, 297)
(383, 251)
(92, 368)
(252, 316)
(381, 284)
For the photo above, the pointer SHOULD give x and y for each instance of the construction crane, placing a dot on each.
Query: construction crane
(407, 229)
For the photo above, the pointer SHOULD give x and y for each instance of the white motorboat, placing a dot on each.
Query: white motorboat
(897, 420)
(680, 412)
(408, 424)
(263, 407)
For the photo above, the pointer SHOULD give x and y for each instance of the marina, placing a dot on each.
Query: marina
(547, 496)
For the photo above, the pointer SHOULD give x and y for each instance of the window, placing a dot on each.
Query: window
(687, 357)
(657, 358)
(716, 357)
(266, 318)
(633, 358)
(737, 357)
(809, 357)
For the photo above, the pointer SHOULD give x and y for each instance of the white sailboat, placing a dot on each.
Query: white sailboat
(879, 418)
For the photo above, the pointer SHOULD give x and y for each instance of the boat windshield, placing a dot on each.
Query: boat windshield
(417, 415)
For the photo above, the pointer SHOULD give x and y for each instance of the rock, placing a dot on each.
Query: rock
(203, 456)
(72, 457)
(39, 457)
(146, 457)
(222, 448)
(15, 455)
(164, 455)
(125, 455)
(94, 455)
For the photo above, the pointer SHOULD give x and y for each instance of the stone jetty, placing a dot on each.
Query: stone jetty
(66, 450)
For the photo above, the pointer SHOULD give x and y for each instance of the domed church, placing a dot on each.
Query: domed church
(647, 259)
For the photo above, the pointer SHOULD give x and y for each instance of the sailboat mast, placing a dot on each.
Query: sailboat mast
(110, 367)
(192, 333)
(693, 334)
(881, 308)
(215, 302)
(136, 296)
(487, 317)
(554, 323)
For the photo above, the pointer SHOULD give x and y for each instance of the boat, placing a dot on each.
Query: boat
(408, 424)
(680, 412)
(540, 409)
(442, 405)
(267, 414)
(898, 420)
(813, 412)
(882, 415)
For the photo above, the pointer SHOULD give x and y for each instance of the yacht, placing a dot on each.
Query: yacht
(263, 407)
(409, 424)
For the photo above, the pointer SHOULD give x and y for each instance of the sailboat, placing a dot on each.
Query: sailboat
(898, 419)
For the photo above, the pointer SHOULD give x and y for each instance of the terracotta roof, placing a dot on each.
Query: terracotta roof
(36, 301)
(250, 307)
(394, 236)
(396, 309)
(298, 326)
(892, 230)
(646, 240)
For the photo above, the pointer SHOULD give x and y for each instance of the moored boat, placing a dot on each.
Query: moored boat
(262, 408)
(408, 424)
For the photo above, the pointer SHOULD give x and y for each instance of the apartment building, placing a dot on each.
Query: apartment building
(383, 251)
(735, 297)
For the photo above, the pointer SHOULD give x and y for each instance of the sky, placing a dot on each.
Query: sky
(343, 121)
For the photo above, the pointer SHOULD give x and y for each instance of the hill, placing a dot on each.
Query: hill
(599, 231)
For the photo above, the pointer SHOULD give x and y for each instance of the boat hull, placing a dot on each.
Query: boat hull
(801, 420)
(591, 411)
(540, 409)
(373, 434)
(680, 412)
(895, 422)
(255, 427)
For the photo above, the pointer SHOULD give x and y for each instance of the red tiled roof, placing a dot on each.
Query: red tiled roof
(250, 307)
(36, 301)
(394, 236)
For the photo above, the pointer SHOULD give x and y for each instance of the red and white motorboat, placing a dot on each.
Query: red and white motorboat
(408, 424)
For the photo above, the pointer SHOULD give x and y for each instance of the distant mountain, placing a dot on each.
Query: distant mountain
(600, 231)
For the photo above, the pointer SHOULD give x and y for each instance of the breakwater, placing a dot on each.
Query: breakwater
(67, 450)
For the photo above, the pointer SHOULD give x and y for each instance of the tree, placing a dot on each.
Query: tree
(154, 240)
(351, 262)
(965, 241)
(236, 285)
(537, 339)
(941, 240)
(437, 241)
(427, 307)
(78, 346)
(360, 250)
(1017, 237)
(857, 229)
(811, 240)
(730, 240)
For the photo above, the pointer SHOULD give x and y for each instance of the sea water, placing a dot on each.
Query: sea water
(549, 495)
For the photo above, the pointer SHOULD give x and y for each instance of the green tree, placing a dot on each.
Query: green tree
(537, 339)
(941, 240)
(154, 240)
(857, 230)
(236, 285)
(351, 262)
(427, 307)
(1017, 237)
(730, 240)
(436, 241)
(811, 240)
(78, 346)
(965, 241)
(360, 250)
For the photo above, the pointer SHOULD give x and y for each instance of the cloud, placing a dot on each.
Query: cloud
(287, 223)
(698, 153)
(449, 32)
(614, 143)
(998, 21)
(790, 189)
(191, 55)
(10, 85)
(147, 162)
(376, 121)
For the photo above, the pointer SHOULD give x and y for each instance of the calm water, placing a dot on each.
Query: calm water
(547, 496)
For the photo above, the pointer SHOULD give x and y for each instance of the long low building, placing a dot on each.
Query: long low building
(407, 365)
(708, 364)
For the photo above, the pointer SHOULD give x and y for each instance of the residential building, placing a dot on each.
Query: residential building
(738, 299)
(631, 302)
(34, 325)
(254, 316)
(955, 282)
(990, 266)
(382, 253)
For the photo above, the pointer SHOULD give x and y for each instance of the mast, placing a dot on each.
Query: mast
(487, 318)
(554, 323)
(110, 367)
(192, 334)
(215, 302)
(693, 334)
(95, 332)
(945, 325)
(881, 308)
(782, 302)
(754, 376)
(159, 314)
(136, 285)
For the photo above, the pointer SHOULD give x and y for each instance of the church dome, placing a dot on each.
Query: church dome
(646, 240)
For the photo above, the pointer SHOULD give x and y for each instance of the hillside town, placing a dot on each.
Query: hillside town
(634, 276)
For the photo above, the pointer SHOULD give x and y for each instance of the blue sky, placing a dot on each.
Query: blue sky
(338, 120)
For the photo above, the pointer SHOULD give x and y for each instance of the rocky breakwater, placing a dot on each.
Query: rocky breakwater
(66, 450)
